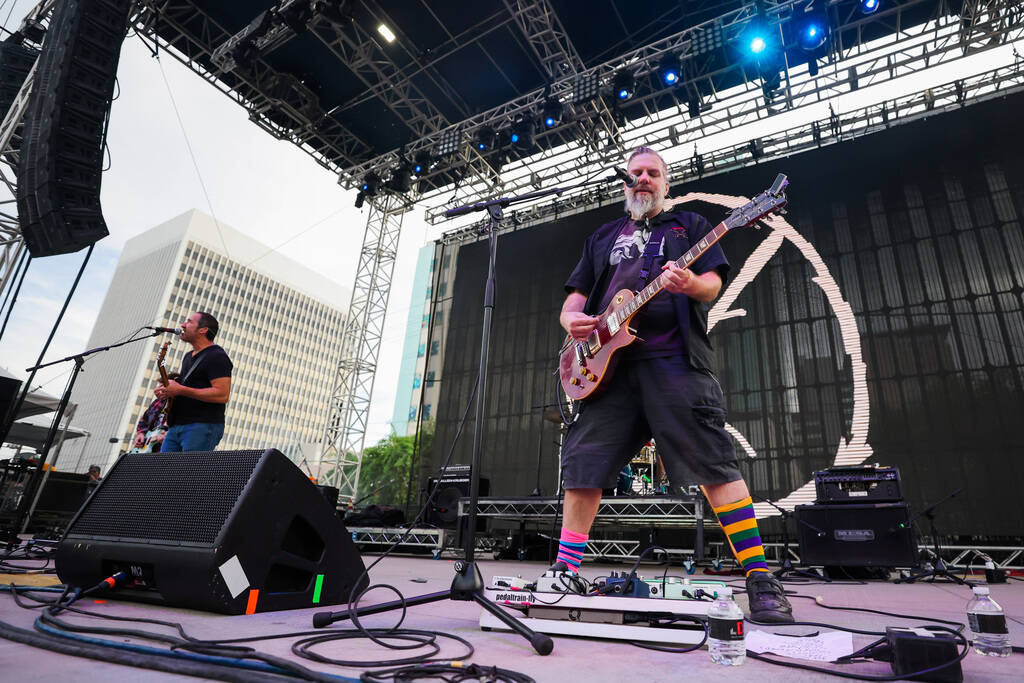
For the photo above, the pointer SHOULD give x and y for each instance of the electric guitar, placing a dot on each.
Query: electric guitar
(152, 436)
(584, 365)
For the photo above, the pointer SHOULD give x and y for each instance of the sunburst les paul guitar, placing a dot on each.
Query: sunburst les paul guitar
(584, 366)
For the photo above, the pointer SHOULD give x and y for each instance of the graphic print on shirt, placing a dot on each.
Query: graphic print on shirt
(631, 246)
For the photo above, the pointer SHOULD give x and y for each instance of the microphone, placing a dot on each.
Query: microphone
(626, 177)
(170, 330)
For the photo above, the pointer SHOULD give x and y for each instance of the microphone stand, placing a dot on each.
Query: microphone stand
(940, 568)
(25, 508)
(468, 584)
(786, 565)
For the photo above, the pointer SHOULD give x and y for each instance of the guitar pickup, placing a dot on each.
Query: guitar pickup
(581, 355)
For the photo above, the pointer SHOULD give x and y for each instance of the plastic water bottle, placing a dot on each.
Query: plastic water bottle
(988, 625)
(726, 631)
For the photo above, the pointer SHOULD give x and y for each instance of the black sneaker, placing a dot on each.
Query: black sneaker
(767, 598)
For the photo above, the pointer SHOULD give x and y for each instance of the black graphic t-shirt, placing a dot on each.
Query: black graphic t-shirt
(656, 324)
(597, 267)
(210, 363)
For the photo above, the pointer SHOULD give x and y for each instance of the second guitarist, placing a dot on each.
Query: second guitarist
(151, 428)
(662, 386)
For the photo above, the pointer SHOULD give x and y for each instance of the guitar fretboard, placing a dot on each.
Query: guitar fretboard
(684, 261)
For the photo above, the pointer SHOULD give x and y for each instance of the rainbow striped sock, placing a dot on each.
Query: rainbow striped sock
(740, 526)
(570, 549)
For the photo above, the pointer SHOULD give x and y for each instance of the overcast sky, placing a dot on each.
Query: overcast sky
(266, 188)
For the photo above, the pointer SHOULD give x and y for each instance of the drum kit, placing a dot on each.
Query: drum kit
(644, 475)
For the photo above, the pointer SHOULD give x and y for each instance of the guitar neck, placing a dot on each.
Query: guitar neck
(684, 261)
(163, 376)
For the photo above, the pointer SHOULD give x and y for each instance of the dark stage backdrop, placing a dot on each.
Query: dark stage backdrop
(881, 323)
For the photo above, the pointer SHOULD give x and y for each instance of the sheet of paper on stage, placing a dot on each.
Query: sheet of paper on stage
(823, 647)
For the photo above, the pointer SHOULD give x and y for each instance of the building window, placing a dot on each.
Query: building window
(430, 378)
(422, 350)
(435, 346)
(416, 381)
(426, 412)
(412, 413)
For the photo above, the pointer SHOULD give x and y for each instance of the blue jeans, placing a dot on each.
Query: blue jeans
(198, 436)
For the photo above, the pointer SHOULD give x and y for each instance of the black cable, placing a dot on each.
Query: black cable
(876, 611)
(452, 672)
(960, 641)
(11, 295)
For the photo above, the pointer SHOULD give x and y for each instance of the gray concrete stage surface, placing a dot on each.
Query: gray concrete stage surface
(574, 659)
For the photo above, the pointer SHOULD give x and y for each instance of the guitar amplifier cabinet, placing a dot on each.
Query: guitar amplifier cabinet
(876, 535)
(858, 484)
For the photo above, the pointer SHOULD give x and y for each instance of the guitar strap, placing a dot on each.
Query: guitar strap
(653, 247)
(196, 360)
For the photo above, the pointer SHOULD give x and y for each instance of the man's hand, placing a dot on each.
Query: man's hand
(171, 390)
(679, 280)
(704, 287)
(140, 440)
(578, 325)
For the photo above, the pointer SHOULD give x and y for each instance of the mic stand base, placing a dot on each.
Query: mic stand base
(467, 586)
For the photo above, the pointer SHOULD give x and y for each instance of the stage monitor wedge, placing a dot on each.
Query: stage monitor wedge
(222, 531)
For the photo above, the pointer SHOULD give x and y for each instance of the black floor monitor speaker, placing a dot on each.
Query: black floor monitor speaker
(223, 531)
(877, 535)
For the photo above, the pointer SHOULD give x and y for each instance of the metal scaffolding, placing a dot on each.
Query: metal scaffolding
(349, 405)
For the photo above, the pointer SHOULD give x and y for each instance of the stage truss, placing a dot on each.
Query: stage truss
(909, 37)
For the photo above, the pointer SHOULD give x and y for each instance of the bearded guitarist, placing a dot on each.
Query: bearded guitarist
(662, 385)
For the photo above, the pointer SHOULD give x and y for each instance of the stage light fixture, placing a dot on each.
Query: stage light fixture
(484, 139)
(401, 178)
(586, 87)
(422, 162)
(623, 85)
(449, 142)
(693, 105)
(360, 197)
(810, 28)
(668, 69)
(523, 134)
(869, 6)
(370, 184)
(757, 44)
(551, 115)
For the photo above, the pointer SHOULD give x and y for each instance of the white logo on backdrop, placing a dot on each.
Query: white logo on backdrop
(854, 450)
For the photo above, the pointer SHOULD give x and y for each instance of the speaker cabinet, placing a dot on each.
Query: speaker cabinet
(224, 531)
(453, 484)
(847, 535)
(61, 158)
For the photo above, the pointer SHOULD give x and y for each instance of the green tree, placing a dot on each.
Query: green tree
(386, 467)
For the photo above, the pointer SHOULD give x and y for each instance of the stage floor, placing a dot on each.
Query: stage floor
(573, 658)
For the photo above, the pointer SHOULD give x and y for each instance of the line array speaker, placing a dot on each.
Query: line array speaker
(62, 148)
(222, 531)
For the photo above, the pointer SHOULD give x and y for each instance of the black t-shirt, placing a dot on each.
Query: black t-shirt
(656, 323)
(601, 263)
(210, 363)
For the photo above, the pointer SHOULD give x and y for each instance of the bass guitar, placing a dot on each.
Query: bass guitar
(584, 366)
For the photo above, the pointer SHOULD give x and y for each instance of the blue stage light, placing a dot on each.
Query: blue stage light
(869, 6)
(757, 45)
(668, 69)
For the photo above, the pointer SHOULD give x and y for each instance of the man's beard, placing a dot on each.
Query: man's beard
(639, 206)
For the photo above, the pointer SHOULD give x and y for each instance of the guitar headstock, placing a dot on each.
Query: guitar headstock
(768, 202)
(163, 354)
